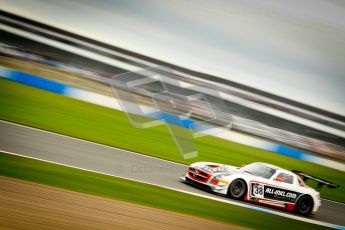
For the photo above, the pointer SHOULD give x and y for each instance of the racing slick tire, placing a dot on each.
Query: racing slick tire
(237, 189)
(304, 205)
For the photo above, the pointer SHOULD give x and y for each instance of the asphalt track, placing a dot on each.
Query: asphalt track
(78, 153)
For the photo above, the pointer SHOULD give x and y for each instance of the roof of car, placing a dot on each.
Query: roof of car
(271, 166)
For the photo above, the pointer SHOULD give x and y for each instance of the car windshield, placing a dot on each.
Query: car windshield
(260, 170)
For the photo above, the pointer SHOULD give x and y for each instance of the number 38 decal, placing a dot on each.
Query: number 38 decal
(258, 190)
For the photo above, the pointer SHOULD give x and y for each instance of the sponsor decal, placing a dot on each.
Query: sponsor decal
(273, 193)
(280, 194)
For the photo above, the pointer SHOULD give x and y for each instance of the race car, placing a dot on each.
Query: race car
(259, 183)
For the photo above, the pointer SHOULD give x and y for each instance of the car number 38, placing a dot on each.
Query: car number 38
(258, 190)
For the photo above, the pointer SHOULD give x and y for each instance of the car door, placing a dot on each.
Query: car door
(285, 188)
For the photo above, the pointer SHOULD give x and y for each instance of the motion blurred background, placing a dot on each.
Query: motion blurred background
(295, 53)
(278, 66)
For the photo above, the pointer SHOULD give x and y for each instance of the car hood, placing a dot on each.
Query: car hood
(216, 169)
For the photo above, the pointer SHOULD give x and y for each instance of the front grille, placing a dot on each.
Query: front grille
(198, 184)
(198, 174)
(203, 173)
(198, 177)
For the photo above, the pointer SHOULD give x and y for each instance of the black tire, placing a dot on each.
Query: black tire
(237, 189)
(304, 205)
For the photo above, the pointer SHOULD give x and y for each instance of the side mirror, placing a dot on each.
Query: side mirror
(279, 179)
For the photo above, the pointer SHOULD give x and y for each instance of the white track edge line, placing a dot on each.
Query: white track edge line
(111, 147)
(317, 222)
(90, 142)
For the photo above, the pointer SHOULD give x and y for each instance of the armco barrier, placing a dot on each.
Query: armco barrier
(111, 102)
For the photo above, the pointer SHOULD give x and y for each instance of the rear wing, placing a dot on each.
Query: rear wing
(320, 182)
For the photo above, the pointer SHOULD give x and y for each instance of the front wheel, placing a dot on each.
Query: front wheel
(237, 189)
(304, 205)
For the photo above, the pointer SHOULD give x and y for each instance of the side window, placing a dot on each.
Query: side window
(286, 178)
(300, 182)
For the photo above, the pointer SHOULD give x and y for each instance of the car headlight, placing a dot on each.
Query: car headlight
(218, 180)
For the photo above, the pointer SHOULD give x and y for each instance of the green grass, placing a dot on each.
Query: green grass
(116, 188)
(34, 107)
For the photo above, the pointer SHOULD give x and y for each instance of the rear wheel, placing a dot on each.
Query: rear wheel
(237, 189)
(304, 205)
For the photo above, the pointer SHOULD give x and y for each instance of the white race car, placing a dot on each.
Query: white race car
(259, 183)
